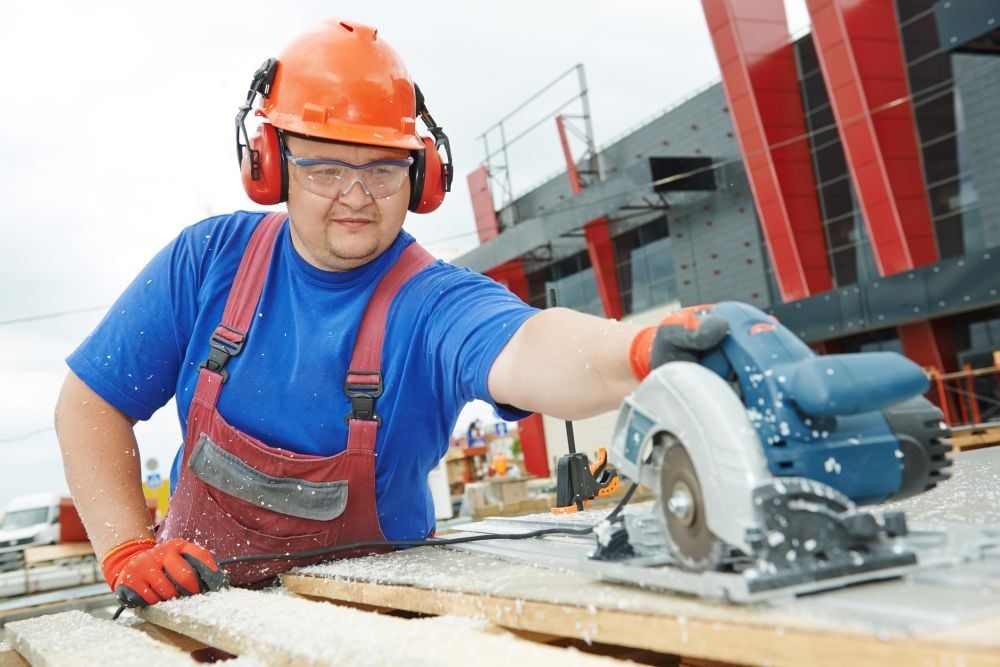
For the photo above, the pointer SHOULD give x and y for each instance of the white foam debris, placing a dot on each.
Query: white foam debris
(832, 465)
(284, 629)
(77, 638)
(972, 495)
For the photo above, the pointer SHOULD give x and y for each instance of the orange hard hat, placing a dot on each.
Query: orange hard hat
(339, 81)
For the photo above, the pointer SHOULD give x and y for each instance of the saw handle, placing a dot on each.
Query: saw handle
(684, 335)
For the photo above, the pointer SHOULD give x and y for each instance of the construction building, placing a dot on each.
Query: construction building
(845, 180)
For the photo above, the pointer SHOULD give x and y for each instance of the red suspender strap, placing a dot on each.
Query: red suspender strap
(227, 340)
(364, 377)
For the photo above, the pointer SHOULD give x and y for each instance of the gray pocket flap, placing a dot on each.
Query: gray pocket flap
(320, 501)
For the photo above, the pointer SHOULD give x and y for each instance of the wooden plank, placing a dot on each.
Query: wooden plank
(9, 657)
(76, 638)
(52, 552)
(277, 628)
(436, 581)
(163, 635)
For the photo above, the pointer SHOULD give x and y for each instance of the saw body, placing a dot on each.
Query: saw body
(759, 456)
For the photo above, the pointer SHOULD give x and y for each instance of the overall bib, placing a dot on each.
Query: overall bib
(236, 495)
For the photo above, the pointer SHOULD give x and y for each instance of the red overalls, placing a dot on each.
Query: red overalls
(237, 496)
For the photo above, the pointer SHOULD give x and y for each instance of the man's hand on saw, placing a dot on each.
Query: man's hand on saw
(682, 336)
(142, 572)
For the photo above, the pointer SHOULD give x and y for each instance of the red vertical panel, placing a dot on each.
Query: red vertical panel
(761, 84)
(482, 204)
(571, 170)
(601, 250)
(921, 345)
(536, 457)
(511, 275)
(859, 50)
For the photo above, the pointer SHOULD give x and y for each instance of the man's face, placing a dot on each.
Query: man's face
(348, 231)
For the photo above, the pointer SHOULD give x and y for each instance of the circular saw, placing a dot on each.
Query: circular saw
(759, 457)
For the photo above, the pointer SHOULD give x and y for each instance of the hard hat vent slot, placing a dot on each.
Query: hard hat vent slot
(347, 27)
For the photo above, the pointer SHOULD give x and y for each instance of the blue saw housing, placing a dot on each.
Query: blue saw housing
(830, 418)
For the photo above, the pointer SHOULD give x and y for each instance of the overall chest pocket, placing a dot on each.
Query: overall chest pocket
(279, 506)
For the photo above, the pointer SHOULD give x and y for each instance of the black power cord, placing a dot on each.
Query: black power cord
(438, 541)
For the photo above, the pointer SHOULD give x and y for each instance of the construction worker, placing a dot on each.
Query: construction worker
(319, 359)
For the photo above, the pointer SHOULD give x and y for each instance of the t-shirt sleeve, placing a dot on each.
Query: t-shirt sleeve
(132, 357)
(473, 320)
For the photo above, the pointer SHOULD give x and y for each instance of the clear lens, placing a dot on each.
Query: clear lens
(332, 179)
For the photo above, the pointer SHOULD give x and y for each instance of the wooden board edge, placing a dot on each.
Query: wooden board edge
(696, 638)
(9, 657)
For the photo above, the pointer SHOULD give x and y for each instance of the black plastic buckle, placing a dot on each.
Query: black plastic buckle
(363, 395)
(221, 350)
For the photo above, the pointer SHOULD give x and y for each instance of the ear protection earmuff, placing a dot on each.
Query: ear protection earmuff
(430, 176)
(264, 168)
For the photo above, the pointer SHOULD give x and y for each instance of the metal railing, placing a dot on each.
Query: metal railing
(969, 397)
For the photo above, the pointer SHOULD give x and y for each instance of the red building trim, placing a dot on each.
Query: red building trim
(482, 204)
(536, 458)
(532, 433)
(571, 170)
(511, 275)
(601, 251)
(859, 50)
(761, 83)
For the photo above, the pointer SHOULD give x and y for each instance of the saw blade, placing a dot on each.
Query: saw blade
(683, 509)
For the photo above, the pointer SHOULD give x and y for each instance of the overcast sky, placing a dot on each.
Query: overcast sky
(116, 131)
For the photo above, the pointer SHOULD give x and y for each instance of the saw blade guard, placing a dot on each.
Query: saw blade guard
(702, 412)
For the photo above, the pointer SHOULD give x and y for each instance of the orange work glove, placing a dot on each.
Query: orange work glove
(142, 572)
(681, 336)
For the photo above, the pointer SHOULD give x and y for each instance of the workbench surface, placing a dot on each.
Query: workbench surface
(912, 622)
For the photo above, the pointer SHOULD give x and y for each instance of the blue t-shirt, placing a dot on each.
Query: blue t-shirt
(444, 330)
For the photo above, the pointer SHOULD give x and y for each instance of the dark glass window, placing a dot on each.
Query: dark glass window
(941, 160)
(837, 199)
(822, 118)
(950, 235)
(884, 340)
(830, 163)
(645, 263)
(845, 266)
(815, 90)
(841, 232)
(920, 37)
(930, 77)
(910, 10)
(945, 198)
(806, 52)
(935, 117)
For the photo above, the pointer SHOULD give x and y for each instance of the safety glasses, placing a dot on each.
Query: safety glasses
(334, 179)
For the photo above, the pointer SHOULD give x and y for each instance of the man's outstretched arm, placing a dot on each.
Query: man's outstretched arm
(565, 364)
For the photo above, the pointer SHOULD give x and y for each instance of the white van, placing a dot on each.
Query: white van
(30, 521)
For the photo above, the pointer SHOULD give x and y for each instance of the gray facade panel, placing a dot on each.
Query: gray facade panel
(717, 250)
(950, 287)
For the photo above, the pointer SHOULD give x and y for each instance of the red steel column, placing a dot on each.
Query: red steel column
(601, 250)
(571, 170)
(536, 458)
(511, 275)
(929, 344)
(859, 50)
(762, 88)
(482, 204)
